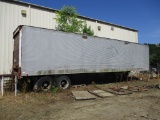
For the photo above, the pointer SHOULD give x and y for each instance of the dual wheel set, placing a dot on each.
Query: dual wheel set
(45, 83)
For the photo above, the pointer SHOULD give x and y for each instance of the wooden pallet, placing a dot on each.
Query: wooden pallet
(101, 93)
(83, 95)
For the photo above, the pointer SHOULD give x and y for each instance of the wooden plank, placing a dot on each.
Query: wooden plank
(101, 93)
(126, 91)
(120, 92)
(124, 87)
(114, 92)
(77, 86)
(97, 91)
(83, 95)
(138, 89)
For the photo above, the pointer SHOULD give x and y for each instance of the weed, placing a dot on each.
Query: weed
(93, 83)
(54, 89)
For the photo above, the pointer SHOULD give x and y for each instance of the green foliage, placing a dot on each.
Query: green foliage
(87, 30)
(154, 53)
(54, 89)
(67, 20)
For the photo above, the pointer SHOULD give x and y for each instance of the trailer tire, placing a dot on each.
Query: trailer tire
(63, 82)
(43, 84)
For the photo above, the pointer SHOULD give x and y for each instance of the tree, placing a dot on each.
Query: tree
(154, 54)
(67, 20)
(87, 30)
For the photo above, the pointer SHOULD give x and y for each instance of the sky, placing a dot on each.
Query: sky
(142, 15)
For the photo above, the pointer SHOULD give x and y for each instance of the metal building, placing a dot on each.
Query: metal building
(15, 13)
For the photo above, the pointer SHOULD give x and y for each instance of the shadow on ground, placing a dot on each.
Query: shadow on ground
(99, 78)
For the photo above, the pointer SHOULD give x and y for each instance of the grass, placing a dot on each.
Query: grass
(33, 105)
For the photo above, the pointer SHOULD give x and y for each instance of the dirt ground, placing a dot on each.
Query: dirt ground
(62, 105)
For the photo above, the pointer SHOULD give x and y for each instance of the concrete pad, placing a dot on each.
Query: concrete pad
(101, 93)
(83, 95)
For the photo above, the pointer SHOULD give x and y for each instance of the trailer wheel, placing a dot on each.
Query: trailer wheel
(63, 82)
(43, 84)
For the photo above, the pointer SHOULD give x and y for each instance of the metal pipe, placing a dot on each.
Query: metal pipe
(15, 85)
(2, 85)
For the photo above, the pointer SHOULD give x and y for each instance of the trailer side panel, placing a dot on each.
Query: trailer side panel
(46, 52)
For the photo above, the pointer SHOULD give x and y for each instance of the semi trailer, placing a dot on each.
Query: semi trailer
(47, 57)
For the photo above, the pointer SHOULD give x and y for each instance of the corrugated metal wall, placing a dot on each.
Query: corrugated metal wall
(10, 18)
(41, 18)
(115, 33)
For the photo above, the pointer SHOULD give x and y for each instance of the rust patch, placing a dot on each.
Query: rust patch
(19, 73)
